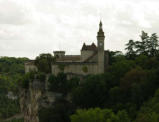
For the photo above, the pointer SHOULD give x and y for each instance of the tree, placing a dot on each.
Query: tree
(11, 65)
(60, 111)
(141, 60)
(149, 112)
(153, 45)
(99, 115)
(130, 49)
(142, 46)
(147, 46)
(115, 95)
(115, 56)
(8, 107)
(73, 83)
(120, 67)
(58, 83)
(147, 62)
(61, 67)
(132, 85)
(123, 116)
(91, 93)
(44, 62)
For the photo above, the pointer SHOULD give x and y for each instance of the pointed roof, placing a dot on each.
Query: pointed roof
(89, 47)
(100, 32)
(100, 25)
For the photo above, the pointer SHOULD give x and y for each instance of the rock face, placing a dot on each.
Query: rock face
(29, 101)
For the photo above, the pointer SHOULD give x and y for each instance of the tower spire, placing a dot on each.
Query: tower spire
(100, 25)
(100, 32)
(100, 42)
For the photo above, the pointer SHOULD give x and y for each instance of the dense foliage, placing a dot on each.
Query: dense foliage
(43, 62)
(99, 115)
(11, 65)
(59, 112)
(11, 70)
(127, 91)
(128, 84)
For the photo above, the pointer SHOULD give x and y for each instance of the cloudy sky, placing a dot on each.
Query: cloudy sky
(31, 27)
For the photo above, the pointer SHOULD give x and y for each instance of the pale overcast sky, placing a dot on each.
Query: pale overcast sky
(31, 27)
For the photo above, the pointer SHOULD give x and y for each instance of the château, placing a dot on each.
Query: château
(92, 60)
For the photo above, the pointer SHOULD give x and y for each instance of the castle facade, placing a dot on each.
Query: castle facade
(92, 60)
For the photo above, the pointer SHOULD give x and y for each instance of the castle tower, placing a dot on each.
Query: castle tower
(100, 43)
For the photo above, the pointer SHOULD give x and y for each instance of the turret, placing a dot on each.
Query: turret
(59, 54)
(100, 42)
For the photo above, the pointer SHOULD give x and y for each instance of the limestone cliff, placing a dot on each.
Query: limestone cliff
(29, 101)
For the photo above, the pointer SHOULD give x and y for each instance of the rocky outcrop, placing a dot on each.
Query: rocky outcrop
(29, 101)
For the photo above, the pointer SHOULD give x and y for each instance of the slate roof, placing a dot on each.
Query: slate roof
(89, 47)
(69, 58)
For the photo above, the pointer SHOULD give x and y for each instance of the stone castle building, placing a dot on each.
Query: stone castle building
(93, 59)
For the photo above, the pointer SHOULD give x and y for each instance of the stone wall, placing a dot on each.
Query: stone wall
(86, 54)
(76, 68)
(30, 67)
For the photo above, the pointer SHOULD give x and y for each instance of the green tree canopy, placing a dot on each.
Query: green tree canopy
(148, 45)
(43, 62)
(99, 115)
